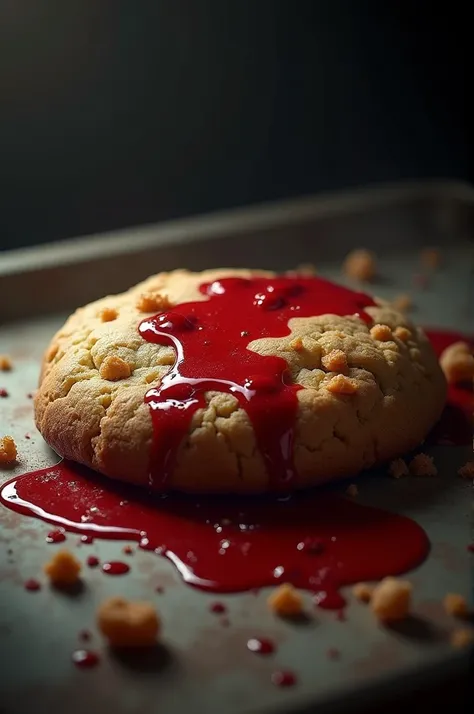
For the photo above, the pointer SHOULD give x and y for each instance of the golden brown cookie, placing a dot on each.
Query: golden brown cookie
(370, 392)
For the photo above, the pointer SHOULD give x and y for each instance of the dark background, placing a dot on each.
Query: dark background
(119, 113)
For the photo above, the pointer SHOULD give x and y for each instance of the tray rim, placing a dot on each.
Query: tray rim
(218, 224)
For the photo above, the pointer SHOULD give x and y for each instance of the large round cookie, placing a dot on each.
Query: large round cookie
(90, 403)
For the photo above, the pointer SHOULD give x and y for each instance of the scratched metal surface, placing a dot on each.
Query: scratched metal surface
(203, 665)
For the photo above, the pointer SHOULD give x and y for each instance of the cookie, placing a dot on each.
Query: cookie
(279, 383)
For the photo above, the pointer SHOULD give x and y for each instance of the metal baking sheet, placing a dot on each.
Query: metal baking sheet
(203, 665)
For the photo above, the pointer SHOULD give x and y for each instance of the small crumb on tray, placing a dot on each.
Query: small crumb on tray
(63, 569)
(361, 265)
(363, 592)
(306, 270)
(6, 363)
(8, 451)
(286, 601)
(127, 623)
(398, 468)
(455, 605)
(391, 599)
(467, 471)
(430, 258)
(422, 465)
(457, 363)
(462, 638)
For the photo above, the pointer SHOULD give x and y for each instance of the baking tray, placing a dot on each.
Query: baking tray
(203, 665)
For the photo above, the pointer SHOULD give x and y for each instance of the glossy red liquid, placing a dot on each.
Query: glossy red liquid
(56, 536)
(92, 561)
(218, 608)
(261, 534)
(32, 585)
(85, 659)
(284, 678)
(115, 567)
(261, 645)
(210, 338)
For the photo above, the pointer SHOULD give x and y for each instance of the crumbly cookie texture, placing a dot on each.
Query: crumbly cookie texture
(370, 393)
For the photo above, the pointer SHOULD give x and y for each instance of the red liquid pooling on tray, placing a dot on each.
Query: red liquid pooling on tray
(262, 533)
(56, 536)
(284, 678)
(32, 585)
(217, 608)
(261, 645)
(85, 659)
(115, 567)
(210, 338)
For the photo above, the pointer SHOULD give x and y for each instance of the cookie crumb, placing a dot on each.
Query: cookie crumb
(306, 270)
(402, 302)
(341, 385)
(462, 638)
(361, 265)
(456, 605)
(335, 361)
(6, 363)
(63, 569)
(114, 368)
(383, 333)
(153, 302)
(352, 490)
(457, 363)
(402, 333)
(286, 601)
(296, 344)
(398, 468)
(422, 465)
(362, 592)
(125, 623)
(108, 314)
(8, 451)
(430, 258)
(467, 471)
(391, 599)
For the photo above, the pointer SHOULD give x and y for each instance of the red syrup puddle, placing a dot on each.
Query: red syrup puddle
(115, 567)
(32, 585)
(284, 678)
(56, 536)
(85, 659)
(210, 338)
(456, 424)
(261, 645)
(217, 608)
(263, 533)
